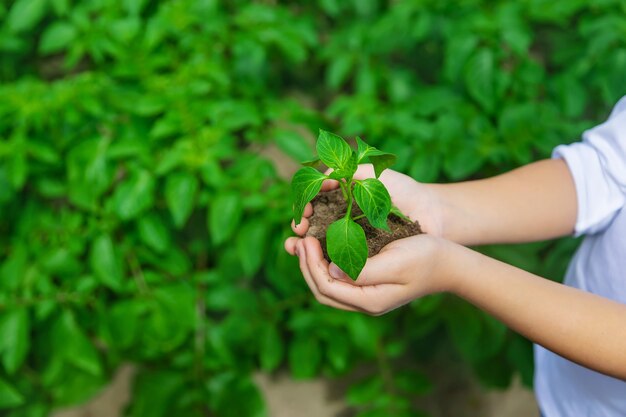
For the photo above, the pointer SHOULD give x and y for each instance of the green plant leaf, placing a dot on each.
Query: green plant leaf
(395, 210)
(251, 245)
(104, 262)
(271, 350)
(347, 246)
(305, 356)
(56, 37)
(381, 160)
(153, 232)
(480, 78)
(373, 198)
(224, 216)
(14, 338)
(333, 150)
(305, 185)
(315, 163)
(9, 396)
(25, 14)
(180, 194)
(347, 171)
(134, 195)
(293, 144)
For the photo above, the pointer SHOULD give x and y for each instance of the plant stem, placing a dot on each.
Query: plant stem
(349, 193)
(360, 216)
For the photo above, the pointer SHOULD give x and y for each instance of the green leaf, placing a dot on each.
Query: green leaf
(305, 356)
(333, 150)
(347, 246)
(251, 245)
(395, 210)
(305, 185)
(134, 195)
(73, 345)
(153, 232)
(338, 70)
(25, 14)
(104, 263)
(373, 198)
(9, 396)
(271, 348)
(315, 163)
(180, 194)
(293, 145)
(56, 37)
(14, 338)
(480, 78)
(347, 171)
(381, 160)
(224, 216)
(364, 391)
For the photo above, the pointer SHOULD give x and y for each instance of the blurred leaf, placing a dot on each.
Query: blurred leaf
(252, 245)
(56, 37)
(305, 356)
(153, 392)
(363, 391)
(153, 232)
(224, 216)
(9, 396)
(25, 14)
(134, 195)
(180, 194)
(271, 350)
(14, 338)
(480, 79)
(76, 349)
(104, 262)
(293, 145)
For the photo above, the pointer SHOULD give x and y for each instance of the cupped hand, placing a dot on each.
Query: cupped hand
(415, 200)
(404, 270)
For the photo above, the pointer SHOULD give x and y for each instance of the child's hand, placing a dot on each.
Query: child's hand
(404, 270)
(413, 199)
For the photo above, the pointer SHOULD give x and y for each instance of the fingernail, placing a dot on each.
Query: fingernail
(335, 272)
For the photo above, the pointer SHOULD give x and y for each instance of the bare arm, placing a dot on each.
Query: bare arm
(534, 202)
(583, 327)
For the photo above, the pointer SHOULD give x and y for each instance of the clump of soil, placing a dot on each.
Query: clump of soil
(330, 206)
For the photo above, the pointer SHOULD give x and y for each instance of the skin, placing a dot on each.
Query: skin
(580, 326)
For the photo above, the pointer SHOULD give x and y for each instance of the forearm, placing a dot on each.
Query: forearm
(585, 328)
(534, 202)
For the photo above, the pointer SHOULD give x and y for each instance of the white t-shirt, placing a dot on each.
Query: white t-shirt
(598, 165)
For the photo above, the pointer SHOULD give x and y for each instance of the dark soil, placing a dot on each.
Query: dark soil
(331, 206)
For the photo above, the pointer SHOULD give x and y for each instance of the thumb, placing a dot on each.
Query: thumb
(337, 273)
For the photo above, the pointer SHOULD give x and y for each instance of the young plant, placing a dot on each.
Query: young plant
(345, 239)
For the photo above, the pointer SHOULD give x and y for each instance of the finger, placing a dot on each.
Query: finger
(329, 185)
(306, 273)
(337, 273)
(290, 245)
(308, 210)
(300, 229)
(368, 299)
(364, 171)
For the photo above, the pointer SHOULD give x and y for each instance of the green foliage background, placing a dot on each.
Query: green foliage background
(140, 221)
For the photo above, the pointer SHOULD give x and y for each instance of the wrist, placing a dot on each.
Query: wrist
(454, 265)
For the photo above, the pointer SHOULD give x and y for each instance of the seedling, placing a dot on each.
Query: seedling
(345, 239)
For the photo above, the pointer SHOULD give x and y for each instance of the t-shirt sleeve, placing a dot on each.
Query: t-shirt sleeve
(598, 166)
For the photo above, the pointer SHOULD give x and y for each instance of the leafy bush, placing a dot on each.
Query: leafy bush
(142, 222)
